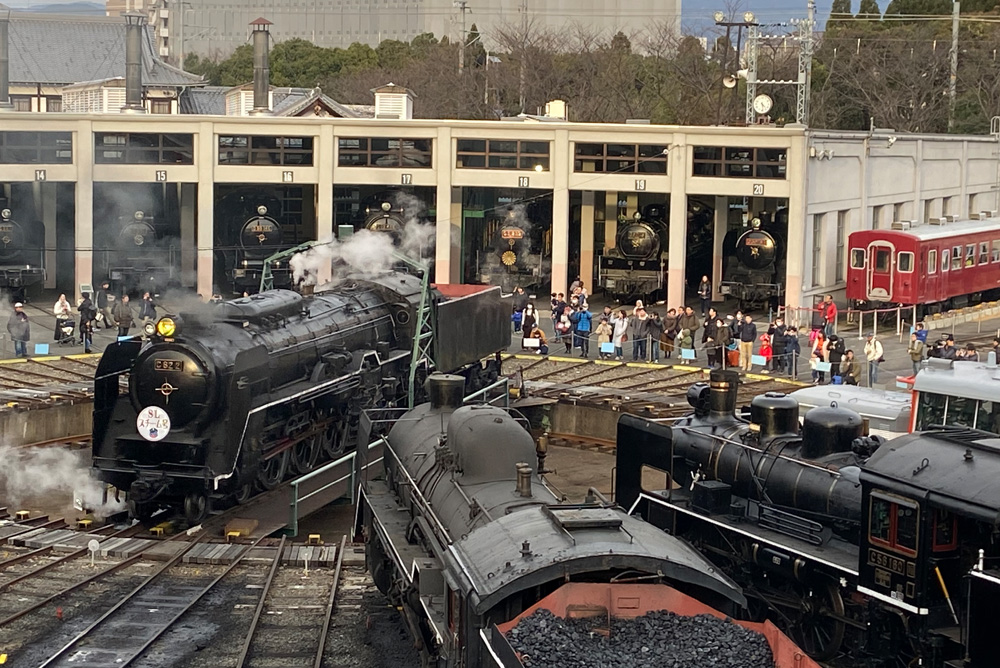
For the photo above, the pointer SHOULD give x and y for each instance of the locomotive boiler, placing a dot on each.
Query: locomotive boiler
(860, 548)
(635, 267)
(20, 263)
(462, 533)
(140, 259)
(754, 267)
(228, 399)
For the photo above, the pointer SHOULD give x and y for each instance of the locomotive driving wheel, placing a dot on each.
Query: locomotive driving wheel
(333, 439)
(195, 507)
(814, 618)
(272, 471)
(305, 453)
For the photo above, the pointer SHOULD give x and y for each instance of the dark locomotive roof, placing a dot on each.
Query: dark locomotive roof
(265, 304)
(952, 468)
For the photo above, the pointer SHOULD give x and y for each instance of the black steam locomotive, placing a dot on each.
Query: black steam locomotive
(20, 260)
(141, 258)
(516, 251)
(636, 266)
(880, 553)
(754, 263)
(247, 232)
(462, 534)
(230, 398)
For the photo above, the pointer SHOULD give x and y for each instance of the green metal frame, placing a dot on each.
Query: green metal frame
(266, 277)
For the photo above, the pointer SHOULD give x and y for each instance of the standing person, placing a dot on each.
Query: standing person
(873, 353)
(564, 328)
(654, 330)
(709, 338)
(736, 324)
(604, 332)
(62, 312)
(723, 339)
(921, 331)
(147, 312)
(818, 377)
(123, 316)
(581, 330)
(766, 351)
(558, 306)
(528, 320)
(637, 332)
(103, 305)
(777, 333)
(915, 348)
(685, 341)
(87, 315)
(520, 300)
(818, 319)
(792, 351)
(689, 321)
(748, 334)
(830, 316)
(705, 294)
(948, 350)
(850, 368)
(669, 333)
(834, 353)
(20, 330)
(620, 326)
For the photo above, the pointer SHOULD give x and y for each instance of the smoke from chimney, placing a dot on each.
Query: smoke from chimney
(134, 22)
(261, 67)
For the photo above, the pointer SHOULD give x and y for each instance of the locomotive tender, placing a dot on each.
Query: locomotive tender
(463, 534)
(227, 399)
(635, 267)
(880, 552)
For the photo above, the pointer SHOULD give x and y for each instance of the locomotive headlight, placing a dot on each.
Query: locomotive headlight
(262, 210)
(5, 214)
(386, 206)
(637, 215)
(149, 328)
(166, 327)
(139, 215)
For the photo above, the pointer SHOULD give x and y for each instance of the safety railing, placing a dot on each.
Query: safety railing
(504, 396)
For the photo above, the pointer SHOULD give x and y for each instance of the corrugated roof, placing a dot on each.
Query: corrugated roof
(206, 100)
(292, 101)
(59, 50)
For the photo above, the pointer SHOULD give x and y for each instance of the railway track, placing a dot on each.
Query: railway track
(653, 390)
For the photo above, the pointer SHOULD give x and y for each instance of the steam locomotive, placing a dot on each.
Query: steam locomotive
(516, 251)
(247, 232)
(20, 260)
(463, 534)
(229, 399)
(879, 552)
(754, 262)
(635, 267)
(140, 258)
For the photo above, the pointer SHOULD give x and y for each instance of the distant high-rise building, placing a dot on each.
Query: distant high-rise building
(216, 27)
(119, 7)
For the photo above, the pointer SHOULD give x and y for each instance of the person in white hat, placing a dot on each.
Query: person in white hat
(19, 329)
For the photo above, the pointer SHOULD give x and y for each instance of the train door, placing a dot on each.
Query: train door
(881, 269)
(932, 279)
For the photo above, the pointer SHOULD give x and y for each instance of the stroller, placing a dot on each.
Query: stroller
(66, 328)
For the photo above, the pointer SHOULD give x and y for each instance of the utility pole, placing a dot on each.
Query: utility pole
(953, 78)
(805, 65)
(462, 5)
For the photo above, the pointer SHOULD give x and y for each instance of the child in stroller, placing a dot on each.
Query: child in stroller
(65, 329)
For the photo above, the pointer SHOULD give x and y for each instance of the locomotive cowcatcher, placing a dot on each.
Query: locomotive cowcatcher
(878, 553)
(227, 399)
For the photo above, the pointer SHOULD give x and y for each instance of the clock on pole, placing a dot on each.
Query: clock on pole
(762, 104)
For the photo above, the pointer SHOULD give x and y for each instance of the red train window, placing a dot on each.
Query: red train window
(906, 262)
(944, 259)
(956, 258)
(894, 524)
(882, 260)
(970, 255)
(932, 261)
(995, 255)
(984, 253)
(858, 257)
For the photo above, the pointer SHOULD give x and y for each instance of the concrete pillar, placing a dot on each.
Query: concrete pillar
(83, 155)
(205, 161)
(719, 229)
(448, 237)
(587, 240)
(561, 164)
(49, 209)
(610, 219)
(677, 248)
(189, 242)
(797, 250)
(324, 195)
(633, 204)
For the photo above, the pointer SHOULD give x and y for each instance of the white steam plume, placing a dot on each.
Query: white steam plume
(44, 475)
(367, 252)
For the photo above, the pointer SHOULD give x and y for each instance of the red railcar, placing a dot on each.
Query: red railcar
(934, 265)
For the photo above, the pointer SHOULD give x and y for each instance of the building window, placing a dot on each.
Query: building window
(21, 148)
(746, 163)
(897, 211)
(143, 148)
(384, 152)
(503, 154)
(53, 104)
(21, 103)
(817, 250)
(159, 107)
(841, 244)
(265, 150)
(620, 158)
(876, 217)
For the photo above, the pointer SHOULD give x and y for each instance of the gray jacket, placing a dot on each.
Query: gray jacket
(19, 327)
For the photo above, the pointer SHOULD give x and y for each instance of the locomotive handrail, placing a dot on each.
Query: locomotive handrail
(503, 382)
(416, 493)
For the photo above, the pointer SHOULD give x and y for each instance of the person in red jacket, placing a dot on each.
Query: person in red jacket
(765, 351)
(830, 315)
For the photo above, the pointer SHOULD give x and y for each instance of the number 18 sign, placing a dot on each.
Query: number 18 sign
(153, 423)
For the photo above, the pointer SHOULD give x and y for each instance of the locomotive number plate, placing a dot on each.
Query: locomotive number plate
(756, 242)
(266, 227)
(6, 228)
(887, 561)
(512, 233)
(168, 365)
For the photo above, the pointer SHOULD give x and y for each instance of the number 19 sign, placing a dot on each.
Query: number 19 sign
(153, 423)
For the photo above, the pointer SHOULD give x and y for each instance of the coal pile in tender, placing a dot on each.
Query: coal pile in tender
(661, 639)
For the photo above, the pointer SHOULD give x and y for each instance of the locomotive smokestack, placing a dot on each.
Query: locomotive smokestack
(5, 104)
(134, 26)
(446, 390)
(722, 397)
(261, 67)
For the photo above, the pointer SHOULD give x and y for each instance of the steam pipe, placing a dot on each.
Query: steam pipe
(133, 63)
(5, 104)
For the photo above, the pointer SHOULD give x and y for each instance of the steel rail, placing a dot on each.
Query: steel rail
(245, 652)
(328, 613)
